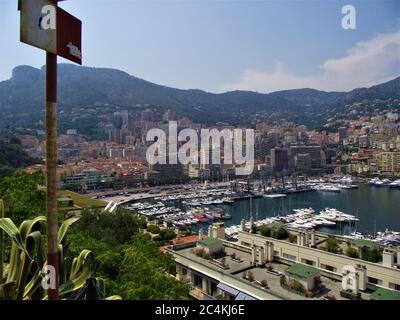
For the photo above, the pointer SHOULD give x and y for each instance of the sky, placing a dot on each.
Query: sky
(227, 45)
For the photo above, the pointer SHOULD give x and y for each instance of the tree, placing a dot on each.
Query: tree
(280, 233)
(274, 231)
(332, 245)
(351, 252)
(371, 255)
(153, 229)
(12, 157)
(22, 197)
(266, 231)
(127, 265)
(143, 272)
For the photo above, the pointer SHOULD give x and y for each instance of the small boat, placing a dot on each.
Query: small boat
(382, 183)
(273, 196)
(395, 184)
(329, 188)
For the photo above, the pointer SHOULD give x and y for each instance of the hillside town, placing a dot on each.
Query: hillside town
(366, 146)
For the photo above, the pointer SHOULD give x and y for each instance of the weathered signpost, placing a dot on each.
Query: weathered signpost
(46, 26)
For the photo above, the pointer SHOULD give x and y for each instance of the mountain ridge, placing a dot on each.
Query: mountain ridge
(24, 93)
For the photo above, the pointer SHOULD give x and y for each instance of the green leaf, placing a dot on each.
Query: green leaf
(81, 270)
(64, 228)
(11, 229)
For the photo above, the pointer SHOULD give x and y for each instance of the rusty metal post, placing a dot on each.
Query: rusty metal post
(51, 168)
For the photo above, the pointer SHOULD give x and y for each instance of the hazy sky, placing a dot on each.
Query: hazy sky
(227, 45)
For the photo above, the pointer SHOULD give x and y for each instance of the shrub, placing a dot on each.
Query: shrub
(292, 238)
(264, 283)
(167, 234)
(274, 232)
(332, 245)
(296, 286)
(266, 231)
(198, 252)
(280, 233)
(371, 255)
(206, 256)
(250, 276)
(351, 252)
(153, 229)
(158, 239)
(142, 224)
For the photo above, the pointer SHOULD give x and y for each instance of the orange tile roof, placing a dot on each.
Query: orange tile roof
(181, 240)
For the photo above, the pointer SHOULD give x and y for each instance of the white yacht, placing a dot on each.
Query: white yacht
(373, 181)
(382, 183)
(395, 184)
(328, 188)
(337, 216)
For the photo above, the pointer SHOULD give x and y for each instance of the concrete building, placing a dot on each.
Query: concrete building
(304, 274)
(279, 159)
(342, 131)
(210, 245)
(303, 162)
(377, 274)
(148, 115)
(301, 261)
(313, 151)
(388, 162)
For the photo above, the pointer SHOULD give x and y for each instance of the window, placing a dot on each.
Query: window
(309, 262)
(374, 281)
(327, 267)
(394, 286)
(198, 281)
(184, 273)
(289, 256)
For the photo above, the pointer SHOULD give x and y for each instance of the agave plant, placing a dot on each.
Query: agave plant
(23, 274)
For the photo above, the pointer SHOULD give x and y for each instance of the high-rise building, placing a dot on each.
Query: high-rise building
(388, 162)
(313, 151)
(302, 162)
(148, 115)
(342, 133)
(123, 117)
(279, 159)
(169, 115)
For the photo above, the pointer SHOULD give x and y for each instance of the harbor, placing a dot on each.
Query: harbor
(334, 206)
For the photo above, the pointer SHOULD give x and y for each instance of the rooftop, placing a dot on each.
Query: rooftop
(385, 294)
(207, 241)
(302, 271)
(363, 243)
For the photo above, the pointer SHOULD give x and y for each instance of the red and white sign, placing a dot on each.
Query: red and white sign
(69, 36)
(47, 27)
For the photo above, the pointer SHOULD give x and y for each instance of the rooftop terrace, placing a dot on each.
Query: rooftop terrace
(302, 271)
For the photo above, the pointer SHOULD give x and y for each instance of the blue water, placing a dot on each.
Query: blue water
(377, 208)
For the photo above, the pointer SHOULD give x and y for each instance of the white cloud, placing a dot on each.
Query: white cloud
(367, 63)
